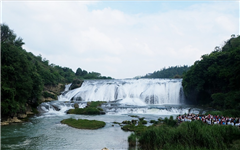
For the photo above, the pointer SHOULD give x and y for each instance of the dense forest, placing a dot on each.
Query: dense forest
(170, 72)
(24, 75)
(215, 79)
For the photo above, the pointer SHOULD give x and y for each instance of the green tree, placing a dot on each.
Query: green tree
(79, 72)
(170, 72)
(215, 79)
(23, 75)
(8, 36)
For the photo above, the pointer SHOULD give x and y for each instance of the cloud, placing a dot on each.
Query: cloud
(120, 44)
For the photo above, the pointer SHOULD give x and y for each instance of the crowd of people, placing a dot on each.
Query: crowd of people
(210, 119)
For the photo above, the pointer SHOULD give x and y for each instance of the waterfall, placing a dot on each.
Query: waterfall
(128, 91)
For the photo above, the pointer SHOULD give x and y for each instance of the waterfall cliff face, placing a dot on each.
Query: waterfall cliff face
(128, 91)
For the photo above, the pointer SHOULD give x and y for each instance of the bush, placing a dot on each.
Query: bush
(170, 122)
(132, 139)
(190, 135)
(229, 112)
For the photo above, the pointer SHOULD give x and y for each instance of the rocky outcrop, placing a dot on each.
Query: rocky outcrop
(50, 92)
(22, 116)
(76, 84)
(11, 120)
(29, 110)
(18, 117)
(76, 105)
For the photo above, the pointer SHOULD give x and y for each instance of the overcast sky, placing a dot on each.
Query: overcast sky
(121, 39)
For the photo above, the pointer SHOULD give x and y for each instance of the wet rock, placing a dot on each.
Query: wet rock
(15, 120)
(29, 110)
(102, 112)
(22, 116)
(56, 107)
(76, 84)
(105, 148)
(4, 123)
(76, 105)
(29, 113)
(11, 120)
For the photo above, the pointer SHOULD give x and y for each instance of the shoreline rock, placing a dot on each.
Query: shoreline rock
(11, 120)
(18, 117)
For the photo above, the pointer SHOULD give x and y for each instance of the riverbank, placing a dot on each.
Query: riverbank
(185, 133)
(47, 132)
(19, 117)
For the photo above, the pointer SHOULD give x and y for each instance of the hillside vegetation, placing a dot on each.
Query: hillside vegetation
(215, 79)
(24, 75)
(170, 72)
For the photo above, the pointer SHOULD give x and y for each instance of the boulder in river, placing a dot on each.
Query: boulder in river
(76, 105)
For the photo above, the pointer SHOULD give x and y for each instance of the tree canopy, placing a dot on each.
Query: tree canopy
(83, 74)
(170, 72)
(215, 79)
(23, 75)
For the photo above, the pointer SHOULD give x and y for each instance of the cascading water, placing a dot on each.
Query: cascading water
(148, 98)
(122, 96)
(130, 91)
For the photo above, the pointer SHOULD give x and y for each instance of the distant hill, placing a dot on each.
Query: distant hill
(170, 72)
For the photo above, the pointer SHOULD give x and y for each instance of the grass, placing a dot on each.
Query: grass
(190, 135)
(92, 108)
(86, 111)
(84, 123)
(132, 140)
(95, 103)
(196, 135)
(117, 123)
(131, 126)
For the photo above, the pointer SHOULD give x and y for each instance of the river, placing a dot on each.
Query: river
(149, 98)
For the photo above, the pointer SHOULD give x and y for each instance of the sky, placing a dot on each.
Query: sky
(121, 39)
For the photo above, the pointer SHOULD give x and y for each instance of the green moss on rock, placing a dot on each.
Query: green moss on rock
(91, 109)
(84, 123)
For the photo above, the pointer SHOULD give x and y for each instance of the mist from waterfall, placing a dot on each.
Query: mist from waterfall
(128, 91)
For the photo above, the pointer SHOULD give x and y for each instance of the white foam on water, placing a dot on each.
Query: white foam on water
(51, 111)
(128, 92)
(151, 111)
(138, 92)
(132, 101)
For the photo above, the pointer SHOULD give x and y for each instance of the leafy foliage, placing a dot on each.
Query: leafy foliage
(229, 112)
(170, 122)
(24, 75)
(132, 139)
(189, 135)
(83, 74)
(170, 72)
(215, 79)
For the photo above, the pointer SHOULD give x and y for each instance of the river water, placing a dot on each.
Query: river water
(146, 98)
